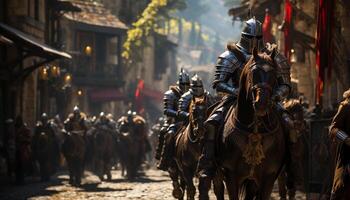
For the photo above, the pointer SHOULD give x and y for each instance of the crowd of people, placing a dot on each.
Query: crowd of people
(45, 148)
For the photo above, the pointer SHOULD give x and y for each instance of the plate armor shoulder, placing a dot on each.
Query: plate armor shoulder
(227, 62)
(185, 101)
(170, 99)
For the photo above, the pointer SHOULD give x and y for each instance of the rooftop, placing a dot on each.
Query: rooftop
(94, 14)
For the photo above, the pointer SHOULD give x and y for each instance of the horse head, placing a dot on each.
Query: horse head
(259, 78)
(198, 115)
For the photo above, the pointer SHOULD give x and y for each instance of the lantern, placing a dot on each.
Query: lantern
(80, 92)
(293, 56)
(88, 50)
(55, 71)
(44, 74)
(67, 78)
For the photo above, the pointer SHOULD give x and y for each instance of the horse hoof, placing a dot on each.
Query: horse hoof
(178, 193)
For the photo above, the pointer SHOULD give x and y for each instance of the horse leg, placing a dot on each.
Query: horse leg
(266, 187)
(232, 189)
(75, 171)
(108, 170)
(71, 170)
(183, 187)
(204, 187)
(251, 190)
(100, 169)
(219, 187)
(80, 171)
(177, 190)
(188, 178)
(282, 186)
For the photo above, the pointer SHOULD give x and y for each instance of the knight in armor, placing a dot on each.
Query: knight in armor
(339, 131)
(196, 91)
(76, 121)
(104, 123)
(172, 119)
(126, 122)
(44, 125)
(49, 128)
(228, 70)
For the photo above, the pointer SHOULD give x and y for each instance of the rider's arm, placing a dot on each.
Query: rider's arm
(226, 65)
(338, 124)
(184, 104)
(169, 104)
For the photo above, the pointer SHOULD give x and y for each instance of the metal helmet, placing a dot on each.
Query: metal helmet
(44, 118)
(103, 117)
(251, 36)
(184, 81)
(76, 110)
(197, 88)
(130, 115)
(102, 114)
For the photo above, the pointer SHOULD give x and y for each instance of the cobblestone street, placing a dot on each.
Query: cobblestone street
(155, 185)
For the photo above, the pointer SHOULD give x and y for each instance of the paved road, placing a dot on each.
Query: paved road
(155, 185)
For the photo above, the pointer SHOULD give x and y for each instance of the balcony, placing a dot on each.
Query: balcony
(106, 75)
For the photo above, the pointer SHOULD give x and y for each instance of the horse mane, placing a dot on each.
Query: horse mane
(201, 101)
(260, 58)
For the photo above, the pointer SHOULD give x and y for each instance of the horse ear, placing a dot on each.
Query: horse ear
(255, 53)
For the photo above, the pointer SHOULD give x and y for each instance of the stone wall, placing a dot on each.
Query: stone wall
(20, 15)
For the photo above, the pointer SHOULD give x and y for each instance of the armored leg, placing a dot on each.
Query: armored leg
(168, 149)
(160, 145)
(206, 165)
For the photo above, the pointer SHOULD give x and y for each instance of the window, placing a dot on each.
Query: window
(86, 48)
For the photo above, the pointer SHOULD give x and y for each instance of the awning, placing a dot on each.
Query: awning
(105, 94)
(27, 47)
(29, 44)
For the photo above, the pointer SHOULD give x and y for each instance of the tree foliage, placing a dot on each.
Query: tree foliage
(147, 24)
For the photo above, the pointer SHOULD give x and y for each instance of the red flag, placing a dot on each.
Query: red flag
(323, 44)
(288, 13)
(139, 95)
(267, 25)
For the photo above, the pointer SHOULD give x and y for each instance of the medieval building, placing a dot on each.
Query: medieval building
(26, 58)
(293, 25)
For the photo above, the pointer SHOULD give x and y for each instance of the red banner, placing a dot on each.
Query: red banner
(139, 95)
(323, 44)
(288, 13)
(267, 25)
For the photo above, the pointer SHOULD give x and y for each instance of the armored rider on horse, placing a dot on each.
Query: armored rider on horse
(228, 71)
(172, 120)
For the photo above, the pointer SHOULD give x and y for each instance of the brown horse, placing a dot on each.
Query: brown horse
(104, 144)
(252, 146)
(46, 151)
(74, 149)
(297, 146)
(132, 140)
(188, 149)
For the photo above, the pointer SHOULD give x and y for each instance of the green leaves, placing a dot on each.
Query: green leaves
(141, 29)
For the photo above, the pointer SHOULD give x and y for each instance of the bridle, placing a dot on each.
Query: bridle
(258, 120)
